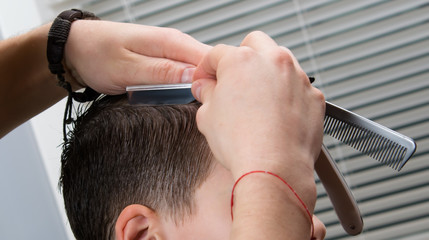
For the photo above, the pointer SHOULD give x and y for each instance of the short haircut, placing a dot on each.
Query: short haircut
(120, 154)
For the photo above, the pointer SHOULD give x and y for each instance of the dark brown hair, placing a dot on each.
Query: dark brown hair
(120, 154)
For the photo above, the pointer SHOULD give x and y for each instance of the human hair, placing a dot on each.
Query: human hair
(120, 154)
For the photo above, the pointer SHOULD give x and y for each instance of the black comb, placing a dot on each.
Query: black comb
(381, 143)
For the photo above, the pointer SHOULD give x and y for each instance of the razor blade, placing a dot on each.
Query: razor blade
(160, 94)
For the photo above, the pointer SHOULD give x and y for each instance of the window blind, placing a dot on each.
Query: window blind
(369, 56)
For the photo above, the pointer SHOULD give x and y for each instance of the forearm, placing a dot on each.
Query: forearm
(26, 87)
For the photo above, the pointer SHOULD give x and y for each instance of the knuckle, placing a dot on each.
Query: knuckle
(245, 53)
(234, 55)
(172, 32)
(284, 57)
(251, 37)
(303, 76)
(220, 48)
(254, 34)
(165, 71)
(319, 97)
(180, 36)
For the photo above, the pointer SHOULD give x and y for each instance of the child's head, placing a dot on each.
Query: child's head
(120, 155)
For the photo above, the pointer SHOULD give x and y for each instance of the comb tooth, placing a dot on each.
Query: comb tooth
(364, 136)
(352, 136)
(329, 125)
(351, 133)
(390, 154)
(394, 154)
(346, 134)
(377, 147)
(333, 126)
(397, 156)
(387, 151)
(338, 127)
(392, 151)
(403, 152)
(384, 155)
(359, 138)
(373, 145)
(326, 124)
(341, 132)
(369, 136)
(381, 150)
(356, 134)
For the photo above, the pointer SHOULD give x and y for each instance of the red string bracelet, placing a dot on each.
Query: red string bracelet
(277, 176)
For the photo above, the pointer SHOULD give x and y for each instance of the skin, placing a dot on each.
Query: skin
(210, 220)
(106, 56)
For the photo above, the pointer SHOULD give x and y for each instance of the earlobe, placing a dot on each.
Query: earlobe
(136, 222)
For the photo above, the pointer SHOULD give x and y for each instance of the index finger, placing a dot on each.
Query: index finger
(167, 43)
(208, 66)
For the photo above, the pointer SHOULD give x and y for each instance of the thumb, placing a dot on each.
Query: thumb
(170, 71)
(202, 89)
(150, 70)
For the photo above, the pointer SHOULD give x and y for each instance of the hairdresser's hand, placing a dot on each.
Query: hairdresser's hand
(262, 111)
(109, 56)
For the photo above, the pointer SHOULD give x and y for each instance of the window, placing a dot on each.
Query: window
(368, 56)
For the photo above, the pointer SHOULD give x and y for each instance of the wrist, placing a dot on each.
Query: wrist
(70, 55)
(72, 76)
(297, 170)
(299, 166)
(262, 201)
(57, 39)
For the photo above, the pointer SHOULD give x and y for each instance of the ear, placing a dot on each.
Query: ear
(137, 222)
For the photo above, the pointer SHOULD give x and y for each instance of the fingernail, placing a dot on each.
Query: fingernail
(187, 75)
(197, 86)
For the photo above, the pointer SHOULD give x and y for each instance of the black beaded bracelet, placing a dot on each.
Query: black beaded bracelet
(57, 39)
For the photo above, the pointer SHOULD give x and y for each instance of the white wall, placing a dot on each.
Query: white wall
(30, 204)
